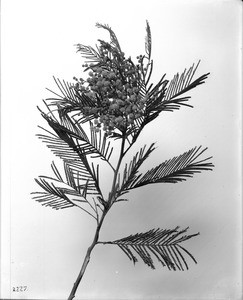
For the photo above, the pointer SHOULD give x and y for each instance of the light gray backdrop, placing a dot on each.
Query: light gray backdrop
(42, 248)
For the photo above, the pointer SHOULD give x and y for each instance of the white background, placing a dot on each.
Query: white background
(43, 248)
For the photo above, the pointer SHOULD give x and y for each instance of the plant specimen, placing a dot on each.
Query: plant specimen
(108, 110)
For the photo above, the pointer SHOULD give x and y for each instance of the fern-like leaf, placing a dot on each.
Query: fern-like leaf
(68, 99)
(89, 53)
(148, 41)
(77, 178)
(164, 245)
(179, 85)
(96, 144)
(166, 96)
(131, 169)
(153, 106)
(64, 147)
(114, 40)
(60, 194)
(176, 169)
(54, 196)
(70, 131)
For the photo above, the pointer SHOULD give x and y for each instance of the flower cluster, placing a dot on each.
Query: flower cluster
(113, 84)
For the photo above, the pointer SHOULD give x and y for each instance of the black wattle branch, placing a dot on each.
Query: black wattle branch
(117, 95)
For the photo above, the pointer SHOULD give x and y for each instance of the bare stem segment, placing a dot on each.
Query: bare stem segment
(87, 258)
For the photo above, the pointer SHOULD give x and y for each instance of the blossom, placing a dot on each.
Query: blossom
(114, 85)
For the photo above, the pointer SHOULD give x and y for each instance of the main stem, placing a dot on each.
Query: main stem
(96, 236)
(87, 257)
(113, 189)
